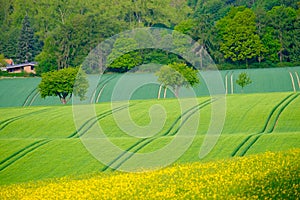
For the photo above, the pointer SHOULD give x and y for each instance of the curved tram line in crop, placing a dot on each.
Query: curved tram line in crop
(99, 89)
(35, 145)
(129, 152)
(92, 121)
(21, 153)
(31, 97)
(6, 122)
(269, 126)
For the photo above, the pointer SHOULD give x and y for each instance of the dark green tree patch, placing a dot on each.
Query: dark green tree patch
(64, 83)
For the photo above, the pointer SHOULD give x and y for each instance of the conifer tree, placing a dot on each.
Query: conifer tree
(26, 50)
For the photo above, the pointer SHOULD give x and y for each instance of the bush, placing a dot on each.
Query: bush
(22, 74)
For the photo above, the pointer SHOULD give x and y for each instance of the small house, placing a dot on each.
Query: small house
(18, 68)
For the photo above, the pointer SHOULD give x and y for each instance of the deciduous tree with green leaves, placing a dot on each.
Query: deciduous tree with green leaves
(64, 83)
(283, 20)
(177, 75)
(240, 41)
(122, 59)
(2, 61)
(243, 80)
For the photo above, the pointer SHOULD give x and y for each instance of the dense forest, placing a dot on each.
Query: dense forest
(236, 33)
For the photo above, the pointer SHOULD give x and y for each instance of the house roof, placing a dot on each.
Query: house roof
(9, 61)
(21, 65)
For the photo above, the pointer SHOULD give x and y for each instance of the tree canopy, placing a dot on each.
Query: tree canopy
(243, 80)
(64, 83)
(177, 75)
(27, 44)
(240, 39)
(236, 33)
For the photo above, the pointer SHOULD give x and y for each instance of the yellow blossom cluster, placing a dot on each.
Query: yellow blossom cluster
(262, 176)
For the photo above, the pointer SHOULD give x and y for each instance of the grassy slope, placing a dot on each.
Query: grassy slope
(60, 156)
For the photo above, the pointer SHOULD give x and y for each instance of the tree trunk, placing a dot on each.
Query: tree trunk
(63, 97)
(176, 91)
(281, 48)
(159, 91)
(165, 92)
(63, 101)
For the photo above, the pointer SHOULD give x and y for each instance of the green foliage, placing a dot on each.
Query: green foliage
(243, 80)
(81, 84)
(2, 61)
(121, 57)
(8, 42)
(64, 83)
(66, 31)
(27, 43)
(282, 20)
(185, 26)
(177, 75)
(240, 41)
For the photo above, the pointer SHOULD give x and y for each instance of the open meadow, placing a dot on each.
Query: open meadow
(40, 143)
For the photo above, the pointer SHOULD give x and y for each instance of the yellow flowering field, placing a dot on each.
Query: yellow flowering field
(262, 176)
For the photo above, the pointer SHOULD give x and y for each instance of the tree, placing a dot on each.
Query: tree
(240, 41)
(243, 80)
(2, 61)
(282, 20)
(64, 83)
(46, 59)
(8, 41)
(27, 43)
(177, 75)
(120, 59)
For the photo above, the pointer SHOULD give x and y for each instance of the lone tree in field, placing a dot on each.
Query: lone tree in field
(177, 75)
(243, 80)
(64, 83)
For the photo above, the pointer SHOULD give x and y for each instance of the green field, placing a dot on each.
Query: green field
(41, 142)
(46, 147)
(23, 91)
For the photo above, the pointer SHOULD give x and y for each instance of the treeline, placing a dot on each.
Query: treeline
(236, 33)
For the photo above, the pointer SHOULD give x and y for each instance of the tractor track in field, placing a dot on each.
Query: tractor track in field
(92, 121)
(35, 145)
(6, 122)
(31, 97)
(128, 153)
(268, 128)
(100, 86)
(21, 153)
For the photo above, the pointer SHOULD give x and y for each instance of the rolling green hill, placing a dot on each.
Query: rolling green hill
(42, 142)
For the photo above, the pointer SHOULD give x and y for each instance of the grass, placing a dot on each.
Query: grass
(61, 153)
(54, 159)
(263, 176)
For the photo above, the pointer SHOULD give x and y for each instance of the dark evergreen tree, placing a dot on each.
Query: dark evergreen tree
(27, 43)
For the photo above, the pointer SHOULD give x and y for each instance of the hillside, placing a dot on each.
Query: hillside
(42, 142)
